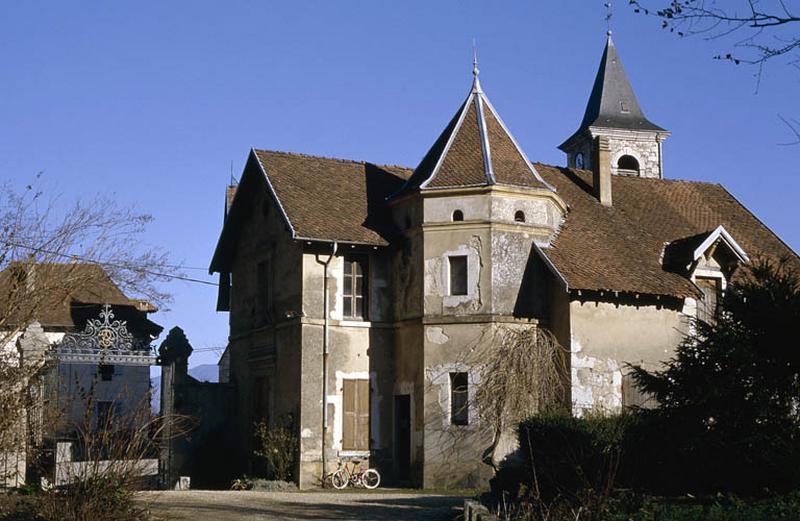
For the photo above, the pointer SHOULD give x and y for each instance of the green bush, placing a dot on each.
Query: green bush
(564, 456)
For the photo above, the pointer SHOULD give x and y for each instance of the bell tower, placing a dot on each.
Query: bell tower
(614, 113)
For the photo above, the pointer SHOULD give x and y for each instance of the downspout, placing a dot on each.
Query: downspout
(325, 306)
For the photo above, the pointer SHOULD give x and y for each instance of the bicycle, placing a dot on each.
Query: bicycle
(344, 475)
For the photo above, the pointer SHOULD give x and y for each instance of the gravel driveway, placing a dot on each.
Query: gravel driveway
(196, 505)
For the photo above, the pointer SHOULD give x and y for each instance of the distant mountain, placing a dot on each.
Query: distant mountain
(203, 373)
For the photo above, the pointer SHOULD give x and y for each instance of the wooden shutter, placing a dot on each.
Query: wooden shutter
(355, 417)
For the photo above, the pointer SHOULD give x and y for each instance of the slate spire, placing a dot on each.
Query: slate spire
(612, 103)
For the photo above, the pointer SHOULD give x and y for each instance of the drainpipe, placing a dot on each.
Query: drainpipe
(325, 265)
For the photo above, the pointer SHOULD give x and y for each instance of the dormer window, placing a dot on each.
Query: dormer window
(579, 162)
(712, 293)
(519, 216)
(623, 107)
(458, 215)
(627, 165)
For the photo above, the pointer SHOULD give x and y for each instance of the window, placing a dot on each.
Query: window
(458, 274)
(458, 215)
(106, 372)
(355, 417)
(459, 394)
(519, 216)
(579, 162)
(707, 307)
(627, 165)
(264, 289)
(623, 107)
(355, 287)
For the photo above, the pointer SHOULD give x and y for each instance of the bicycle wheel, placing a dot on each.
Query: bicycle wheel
(339, 479)
(371, 479)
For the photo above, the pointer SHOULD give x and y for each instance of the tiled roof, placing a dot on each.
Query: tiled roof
(621, 248)
(333, 199)
(618, 248)
(474, 149)
(71, 290)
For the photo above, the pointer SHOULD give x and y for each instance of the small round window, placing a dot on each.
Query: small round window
(519, 216)
(458, 215)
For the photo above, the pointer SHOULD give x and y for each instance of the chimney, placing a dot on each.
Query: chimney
(601, 163)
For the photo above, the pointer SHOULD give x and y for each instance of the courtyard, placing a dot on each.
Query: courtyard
(381, 505)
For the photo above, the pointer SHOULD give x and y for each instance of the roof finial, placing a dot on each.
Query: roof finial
(476, 84)
(609, 14)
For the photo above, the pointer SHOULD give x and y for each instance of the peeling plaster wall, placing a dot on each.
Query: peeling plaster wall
(452, 453)
(607, 335)
(357, 349)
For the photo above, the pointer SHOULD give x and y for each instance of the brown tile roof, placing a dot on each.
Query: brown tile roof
(474, 149)
(620, 248)
(67, 292)
(353, 194)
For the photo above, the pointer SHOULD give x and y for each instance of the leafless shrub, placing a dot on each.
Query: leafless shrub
(522, 372)
(278, 446)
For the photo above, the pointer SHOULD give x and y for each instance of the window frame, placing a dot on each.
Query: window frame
(459, 398)
(451, 276)
(350, 287)
(701, 311)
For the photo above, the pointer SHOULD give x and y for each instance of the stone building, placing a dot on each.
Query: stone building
(355, 290)
(86, 349)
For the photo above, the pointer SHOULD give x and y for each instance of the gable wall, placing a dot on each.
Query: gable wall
(606, 335)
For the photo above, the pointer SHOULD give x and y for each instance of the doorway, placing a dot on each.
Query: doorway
(402, 436)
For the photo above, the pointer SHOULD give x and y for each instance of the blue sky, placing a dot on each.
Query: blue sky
(152, 101)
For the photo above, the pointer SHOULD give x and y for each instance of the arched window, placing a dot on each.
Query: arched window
(627, 165)
(519, 216)
(458, 215)
(579, 162)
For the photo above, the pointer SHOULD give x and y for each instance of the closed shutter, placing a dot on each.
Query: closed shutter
(355, 418)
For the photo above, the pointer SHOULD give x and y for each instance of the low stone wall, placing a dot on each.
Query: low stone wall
(474, 511)
(68, 471)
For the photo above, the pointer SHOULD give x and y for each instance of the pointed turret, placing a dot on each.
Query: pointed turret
(475, 149)
(614, 112)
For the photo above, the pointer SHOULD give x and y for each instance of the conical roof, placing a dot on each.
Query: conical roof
(612, 103)
(475, 149)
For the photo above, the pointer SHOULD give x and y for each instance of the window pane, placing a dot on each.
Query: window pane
(459, 394)
(348, 306)
(348, 267)
(458, 275)
(359, 269)
(359, 309)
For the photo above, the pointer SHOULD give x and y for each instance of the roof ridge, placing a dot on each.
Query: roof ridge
(330, 158)
(644, 179)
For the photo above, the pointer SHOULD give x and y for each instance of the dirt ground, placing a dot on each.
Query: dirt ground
(380, 505)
